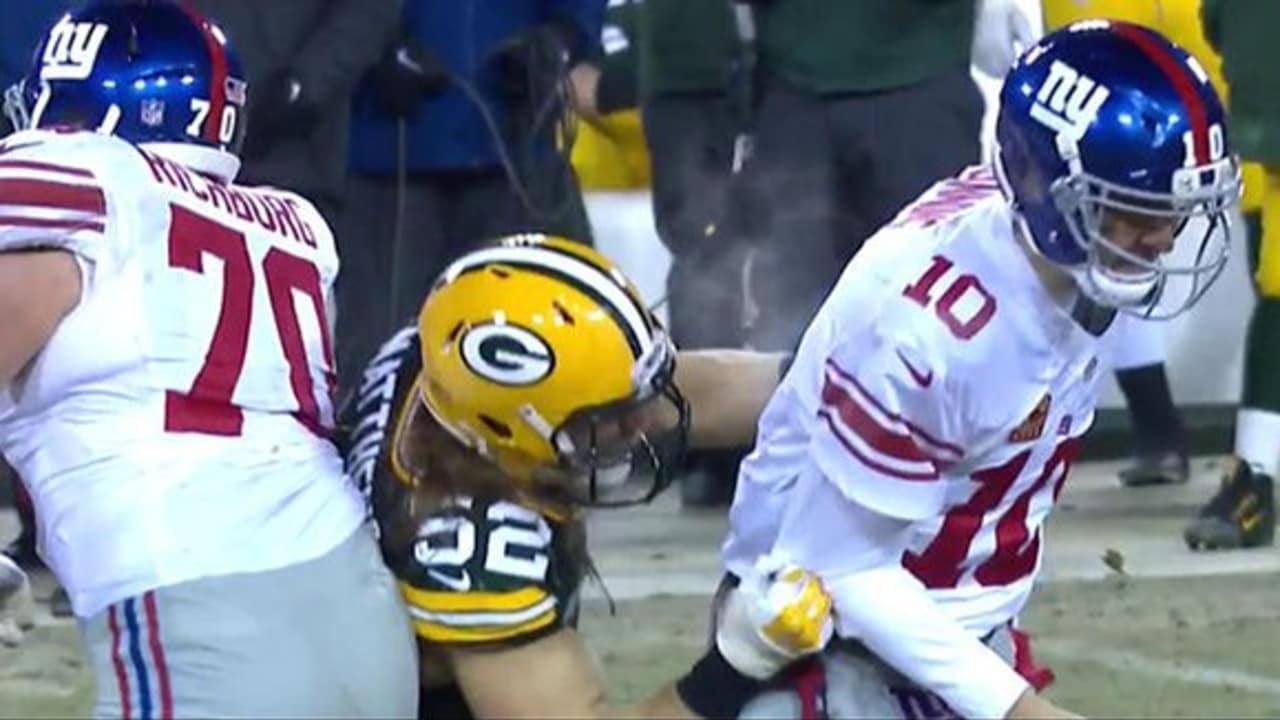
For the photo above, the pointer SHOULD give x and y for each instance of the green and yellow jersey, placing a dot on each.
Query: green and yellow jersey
(473, 570)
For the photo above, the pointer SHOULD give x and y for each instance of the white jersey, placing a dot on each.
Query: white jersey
(174, 426)
(941, 384)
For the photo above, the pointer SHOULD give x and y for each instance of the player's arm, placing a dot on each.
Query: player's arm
(52, 228)
(37, 289)
(886, 430)
(553, 676)
(878, 602)
(727, 390)
(493, 586)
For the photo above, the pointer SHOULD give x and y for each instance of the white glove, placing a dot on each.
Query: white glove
(775, 616)
(1000, 33)
(17, 611)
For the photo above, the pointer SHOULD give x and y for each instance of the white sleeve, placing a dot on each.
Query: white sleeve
(50, 197)
(887, 426)
(856, 551)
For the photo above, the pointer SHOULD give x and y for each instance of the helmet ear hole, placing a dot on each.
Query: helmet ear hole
(562, 312)
(498, 427)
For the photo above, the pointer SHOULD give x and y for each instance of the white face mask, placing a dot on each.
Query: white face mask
(1167, 285)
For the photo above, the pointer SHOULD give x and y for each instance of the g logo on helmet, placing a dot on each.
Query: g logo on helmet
(507, 354)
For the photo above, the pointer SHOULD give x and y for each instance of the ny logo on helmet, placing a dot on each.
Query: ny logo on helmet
(507, 354)
(1068, 101)
(72, 50)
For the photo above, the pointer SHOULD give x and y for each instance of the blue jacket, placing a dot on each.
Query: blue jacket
(23, 28)
(448, 132)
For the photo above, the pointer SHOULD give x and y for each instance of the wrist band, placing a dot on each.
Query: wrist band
(714, 689)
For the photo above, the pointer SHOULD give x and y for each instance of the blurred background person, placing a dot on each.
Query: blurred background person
(694, 86)
(1158, 436)
(609, 152)
(686, 67)
(678, 66)
(784, 133)
(303, 59)
(1242, 512)
(458, 135)
(862, 105)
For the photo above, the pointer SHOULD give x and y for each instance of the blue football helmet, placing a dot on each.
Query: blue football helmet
(148, 71)
(1104, 116)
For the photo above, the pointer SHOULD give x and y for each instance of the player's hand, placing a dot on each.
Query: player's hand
(281, 106)
(407, 74)
(16, 609)
(777, 615)
(530, 62)
(1001, 33)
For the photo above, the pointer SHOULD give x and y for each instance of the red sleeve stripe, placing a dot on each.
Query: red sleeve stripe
(879, 436)
(45, 167)
(30, 192)
(918, 473)
(15, 221)
(945, 450)
(878, 447)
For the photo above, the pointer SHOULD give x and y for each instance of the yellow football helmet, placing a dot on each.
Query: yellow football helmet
(538, 353)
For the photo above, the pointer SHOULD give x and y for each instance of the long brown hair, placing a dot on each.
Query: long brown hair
(439, 467)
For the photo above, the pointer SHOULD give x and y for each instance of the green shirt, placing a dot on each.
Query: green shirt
(1244, 33)
(839, 46)
(685, 45)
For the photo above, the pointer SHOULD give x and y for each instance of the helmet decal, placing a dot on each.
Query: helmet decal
(148, 72)
(1112, 149)
(538, 354)
(506, 353)
(71, 50)
(1067, 101)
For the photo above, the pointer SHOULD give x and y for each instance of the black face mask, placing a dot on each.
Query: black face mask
(611, 464)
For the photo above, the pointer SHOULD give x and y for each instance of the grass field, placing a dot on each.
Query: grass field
(1122, 647)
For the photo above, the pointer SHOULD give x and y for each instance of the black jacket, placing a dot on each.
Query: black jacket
(328, 45)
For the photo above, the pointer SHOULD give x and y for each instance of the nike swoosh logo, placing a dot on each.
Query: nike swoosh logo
(460, 582)
(923, 379)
